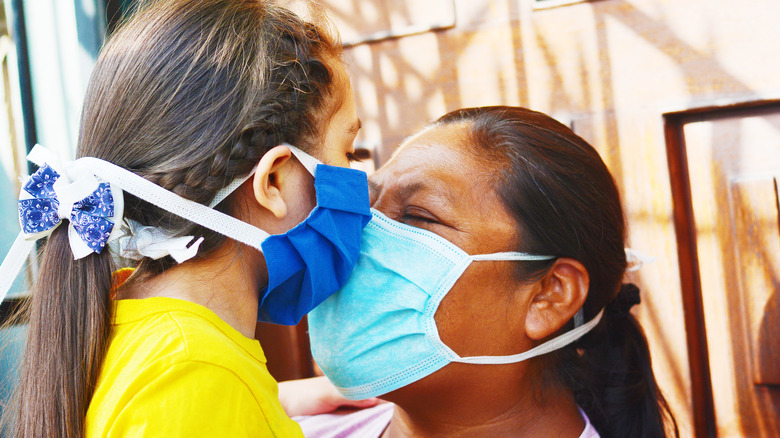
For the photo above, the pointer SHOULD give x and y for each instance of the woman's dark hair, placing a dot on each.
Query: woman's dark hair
(566, 203)
(188, 94)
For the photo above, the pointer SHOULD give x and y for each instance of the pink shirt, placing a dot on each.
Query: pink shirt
(370, 423)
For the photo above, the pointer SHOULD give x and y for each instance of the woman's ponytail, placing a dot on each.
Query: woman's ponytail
(614, 382)
(66, 339)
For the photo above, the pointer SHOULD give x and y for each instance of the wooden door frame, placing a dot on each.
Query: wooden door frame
(687, 254)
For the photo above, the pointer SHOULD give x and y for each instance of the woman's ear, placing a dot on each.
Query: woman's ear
(271, 171)
(563, 292)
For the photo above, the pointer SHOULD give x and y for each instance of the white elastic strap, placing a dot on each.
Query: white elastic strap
(579, 318)
(636, 259)
(230, 188)
(549, 346)
(13, 262)
(39, 155)
(190, 210)
(309, 162)
(510, 256)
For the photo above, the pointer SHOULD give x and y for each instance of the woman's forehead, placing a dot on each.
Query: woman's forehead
(435, 170)
(438, 159)
(442, 149)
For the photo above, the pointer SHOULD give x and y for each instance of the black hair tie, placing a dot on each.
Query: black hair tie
(627, 297)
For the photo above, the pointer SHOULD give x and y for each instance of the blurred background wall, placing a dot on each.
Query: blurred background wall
(681, 98)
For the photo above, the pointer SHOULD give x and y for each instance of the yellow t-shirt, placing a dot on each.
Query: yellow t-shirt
(175, 369)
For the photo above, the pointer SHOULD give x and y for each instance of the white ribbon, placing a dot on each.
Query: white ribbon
(144, 241)
(547, 347)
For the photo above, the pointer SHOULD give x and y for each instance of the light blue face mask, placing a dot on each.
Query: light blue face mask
(378, 333)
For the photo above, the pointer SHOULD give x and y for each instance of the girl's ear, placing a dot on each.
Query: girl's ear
(563, 292)
(271, 171)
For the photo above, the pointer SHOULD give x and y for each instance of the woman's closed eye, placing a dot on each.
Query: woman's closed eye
(418, 215)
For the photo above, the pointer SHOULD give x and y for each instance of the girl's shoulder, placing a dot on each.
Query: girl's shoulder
(174, 330)
(164, 351)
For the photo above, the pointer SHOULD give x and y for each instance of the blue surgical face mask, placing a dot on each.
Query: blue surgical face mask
(312, 260)
(378, 333)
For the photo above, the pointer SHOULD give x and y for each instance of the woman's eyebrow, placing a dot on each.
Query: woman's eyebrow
(406, 191)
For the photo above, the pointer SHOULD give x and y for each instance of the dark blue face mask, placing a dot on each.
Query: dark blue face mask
(311, 261)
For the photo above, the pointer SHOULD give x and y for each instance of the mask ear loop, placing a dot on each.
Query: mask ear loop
(547, 347)
(224, 192)
(132, 183)
(309, 162)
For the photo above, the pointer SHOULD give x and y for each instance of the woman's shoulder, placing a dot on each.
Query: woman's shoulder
(367, 423)
(590, 431)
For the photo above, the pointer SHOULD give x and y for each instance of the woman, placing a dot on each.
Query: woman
(183, 138)
(487, 299)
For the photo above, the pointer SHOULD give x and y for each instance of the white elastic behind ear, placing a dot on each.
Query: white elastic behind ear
(547, 347)
(510, 256)
(230, 188)
(309, 162)
(636, 259)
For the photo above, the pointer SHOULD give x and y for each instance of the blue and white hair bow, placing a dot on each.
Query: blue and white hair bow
(58, 191)
(88, 192)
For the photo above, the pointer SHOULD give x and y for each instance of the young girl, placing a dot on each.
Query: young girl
(184, 140)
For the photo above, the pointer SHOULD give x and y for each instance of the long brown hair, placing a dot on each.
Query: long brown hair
(188, 94)
(566, 203)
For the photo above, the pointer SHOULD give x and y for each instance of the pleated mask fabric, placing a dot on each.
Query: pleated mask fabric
(378, 333)
(313, 260)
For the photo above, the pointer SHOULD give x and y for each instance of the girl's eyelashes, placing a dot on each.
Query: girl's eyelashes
(352, 158)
